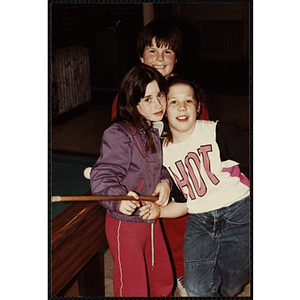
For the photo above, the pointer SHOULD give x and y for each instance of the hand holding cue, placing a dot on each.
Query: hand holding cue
(101, 198)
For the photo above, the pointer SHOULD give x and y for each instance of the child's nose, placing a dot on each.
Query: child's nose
(158, 102)
(181, 106)
(160, 57)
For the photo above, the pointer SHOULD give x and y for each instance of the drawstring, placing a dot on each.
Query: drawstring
(152, 244)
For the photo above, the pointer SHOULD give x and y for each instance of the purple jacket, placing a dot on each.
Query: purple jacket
(125, 166)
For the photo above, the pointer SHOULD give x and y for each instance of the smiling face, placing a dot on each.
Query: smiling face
(153, 105)
(162, 59)
(182, 111)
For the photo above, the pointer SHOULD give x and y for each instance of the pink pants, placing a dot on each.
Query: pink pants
(131, 249)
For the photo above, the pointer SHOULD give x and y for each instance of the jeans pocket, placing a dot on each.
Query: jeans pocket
(239, 214)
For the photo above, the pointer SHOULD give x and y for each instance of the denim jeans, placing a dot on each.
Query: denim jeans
(217, 250)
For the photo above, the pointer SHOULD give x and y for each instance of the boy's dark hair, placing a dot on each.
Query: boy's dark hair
(165, 33)
(132, 89)
(199, 95)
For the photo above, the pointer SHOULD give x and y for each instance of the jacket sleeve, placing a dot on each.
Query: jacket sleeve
(112, 166)
(165, 175)
(233, 143)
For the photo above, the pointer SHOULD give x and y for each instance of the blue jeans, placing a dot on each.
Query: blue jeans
(217, 250)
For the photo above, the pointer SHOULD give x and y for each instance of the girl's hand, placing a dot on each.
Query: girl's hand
(163, 189)
(127, 207)
(149, 211)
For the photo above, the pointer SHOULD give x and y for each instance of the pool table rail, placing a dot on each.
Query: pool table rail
(77, 235)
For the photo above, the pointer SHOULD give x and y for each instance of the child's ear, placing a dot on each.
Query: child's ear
(199, 109)
(142, 60)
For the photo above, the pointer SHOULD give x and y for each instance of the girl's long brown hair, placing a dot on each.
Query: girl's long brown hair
(132, 90)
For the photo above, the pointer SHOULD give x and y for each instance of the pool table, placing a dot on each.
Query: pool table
(77, 237)
(77, 231)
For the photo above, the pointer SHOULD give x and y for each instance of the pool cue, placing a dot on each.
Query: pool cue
(101, 198)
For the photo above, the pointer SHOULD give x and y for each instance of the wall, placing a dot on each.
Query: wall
(110, 32)
(222, 68)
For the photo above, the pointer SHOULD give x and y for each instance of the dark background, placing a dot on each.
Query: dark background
(215, 43)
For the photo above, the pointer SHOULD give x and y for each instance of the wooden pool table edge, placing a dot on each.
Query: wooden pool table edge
(77, 235)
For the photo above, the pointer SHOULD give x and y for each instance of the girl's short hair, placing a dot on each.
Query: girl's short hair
(165, 34)
(132, 90)
(198, 93)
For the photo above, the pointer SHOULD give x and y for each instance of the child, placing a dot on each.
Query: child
(159, 46)
(130, 164)
(202, 157)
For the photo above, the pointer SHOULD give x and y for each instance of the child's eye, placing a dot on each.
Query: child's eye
(169, 52)
(160, 95)
(148, 99)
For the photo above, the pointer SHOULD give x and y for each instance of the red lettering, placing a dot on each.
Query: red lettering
(206, 162)
(184, 181)
(199, 187)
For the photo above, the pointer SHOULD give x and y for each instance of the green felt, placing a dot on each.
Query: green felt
(67, 178)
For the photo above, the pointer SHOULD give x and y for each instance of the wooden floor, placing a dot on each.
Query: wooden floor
(82, 134)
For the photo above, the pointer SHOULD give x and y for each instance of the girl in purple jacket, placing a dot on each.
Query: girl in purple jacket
(131, 164)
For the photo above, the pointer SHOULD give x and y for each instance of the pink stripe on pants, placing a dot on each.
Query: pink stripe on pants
(130, 246)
